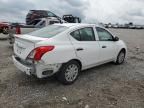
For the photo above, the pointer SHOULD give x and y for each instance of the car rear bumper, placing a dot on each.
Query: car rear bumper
(27, 69)
(39, 69)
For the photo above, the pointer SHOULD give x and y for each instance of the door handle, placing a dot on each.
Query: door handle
(79, 49)
(104, 46)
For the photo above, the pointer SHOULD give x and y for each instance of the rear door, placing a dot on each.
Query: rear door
(86, 46)
(107, 45)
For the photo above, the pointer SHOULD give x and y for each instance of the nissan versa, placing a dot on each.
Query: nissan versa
(65, 50)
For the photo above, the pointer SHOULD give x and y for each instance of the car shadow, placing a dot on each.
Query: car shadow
(97, 68)
(25, 80)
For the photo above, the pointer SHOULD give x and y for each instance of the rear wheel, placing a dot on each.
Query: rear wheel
(121, 57)
(69, 72)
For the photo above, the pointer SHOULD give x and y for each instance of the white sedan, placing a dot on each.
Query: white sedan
(65, 50)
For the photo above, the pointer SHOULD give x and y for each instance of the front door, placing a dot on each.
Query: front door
(107, 45)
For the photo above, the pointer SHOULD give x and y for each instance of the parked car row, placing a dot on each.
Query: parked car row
(36, 19)
(124, 26)
(37, 24)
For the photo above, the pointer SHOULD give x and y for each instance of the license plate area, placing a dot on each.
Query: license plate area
(19, 50)
(22, 48)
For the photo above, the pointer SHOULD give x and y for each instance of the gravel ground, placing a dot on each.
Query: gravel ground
(106, 86)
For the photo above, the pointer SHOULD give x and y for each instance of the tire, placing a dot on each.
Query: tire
(66, 74)
(121, 57)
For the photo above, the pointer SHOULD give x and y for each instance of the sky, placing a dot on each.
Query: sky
(90, 11)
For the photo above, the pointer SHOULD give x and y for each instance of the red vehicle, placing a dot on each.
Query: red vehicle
(4, 26)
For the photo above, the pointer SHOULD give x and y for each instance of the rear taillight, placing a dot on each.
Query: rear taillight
(38, 52)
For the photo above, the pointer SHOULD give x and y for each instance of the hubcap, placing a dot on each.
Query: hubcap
(121, 57)
(71, 72)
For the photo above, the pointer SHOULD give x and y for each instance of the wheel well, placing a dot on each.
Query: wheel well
(78, 62)
(123, 49)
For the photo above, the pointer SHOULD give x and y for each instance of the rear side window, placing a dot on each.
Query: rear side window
(87, 34)
(49, 31)
(84, 34)
(76, 35)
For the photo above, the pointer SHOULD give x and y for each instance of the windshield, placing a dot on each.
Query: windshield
(49, 31)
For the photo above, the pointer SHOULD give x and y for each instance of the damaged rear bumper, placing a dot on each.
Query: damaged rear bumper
(40, 70)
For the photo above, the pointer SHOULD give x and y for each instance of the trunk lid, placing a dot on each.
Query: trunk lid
(24, 44)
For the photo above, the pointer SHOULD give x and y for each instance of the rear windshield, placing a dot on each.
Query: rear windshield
(49, 31)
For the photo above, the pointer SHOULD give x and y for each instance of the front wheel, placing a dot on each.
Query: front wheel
(121, 57)
(69, 72)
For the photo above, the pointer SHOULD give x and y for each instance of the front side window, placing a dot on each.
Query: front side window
(84, 34)
(103, 34)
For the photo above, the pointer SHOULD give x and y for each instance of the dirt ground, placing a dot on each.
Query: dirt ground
(106, 86)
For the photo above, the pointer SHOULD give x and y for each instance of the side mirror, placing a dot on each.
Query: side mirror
(116, 39)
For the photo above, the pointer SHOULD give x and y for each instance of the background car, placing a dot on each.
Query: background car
(35, 14)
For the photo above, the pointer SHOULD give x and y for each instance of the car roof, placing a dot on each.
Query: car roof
(76, 24)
